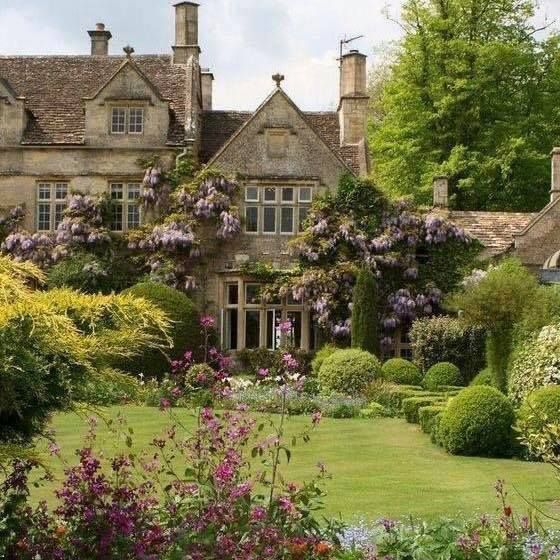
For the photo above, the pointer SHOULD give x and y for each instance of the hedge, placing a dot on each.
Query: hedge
(401, 372)
(478, 422)
(446, 339)
(411, 406)
(348, 372)
(427, 417)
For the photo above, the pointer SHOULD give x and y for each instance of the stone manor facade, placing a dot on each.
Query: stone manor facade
(81, 123)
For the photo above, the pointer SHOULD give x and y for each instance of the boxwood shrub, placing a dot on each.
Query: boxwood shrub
(348, 372)
(447, 339)
(442, 374)
(411, 406)
(478, 422)
(485, 377)
(401, 372)
(427, 417)
(321, 356)
(185, 332)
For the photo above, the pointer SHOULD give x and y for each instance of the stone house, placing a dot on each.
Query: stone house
(81, 123)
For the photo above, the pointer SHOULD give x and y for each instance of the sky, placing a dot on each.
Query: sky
(244, 42)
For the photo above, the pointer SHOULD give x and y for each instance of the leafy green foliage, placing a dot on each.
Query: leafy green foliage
(365, 313)
(485, 377)
(541, 407)
(348, 372)
(92, 274)
(401, 372)
(477, 422)
(326, 351)
(442, 374)
(186, 330)
(469, 95)
(496, 301)
(534, 363)
(412, 406)
(446, 339)
(427, 416)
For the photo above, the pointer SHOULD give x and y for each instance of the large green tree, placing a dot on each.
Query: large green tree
(472, 93)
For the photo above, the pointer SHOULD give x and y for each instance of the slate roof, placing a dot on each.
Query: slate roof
(495, 230)
(54, 88)
(219, 126)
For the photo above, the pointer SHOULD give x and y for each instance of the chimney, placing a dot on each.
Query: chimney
(555, 187)
(186, 32)
(441, 192)
(207, 78)
(353, 105)
(100, 40)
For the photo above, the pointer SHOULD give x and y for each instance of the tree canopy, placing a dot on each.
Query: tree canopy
(471, 93)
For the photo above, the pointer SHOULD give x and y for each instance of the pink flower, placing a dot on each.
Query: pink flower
(177, 392)
(164, 404)
(285, 327)
(289, 362)
(54, 449)
(207, 322)
(263, 372)
(258, 513)
(316, 417)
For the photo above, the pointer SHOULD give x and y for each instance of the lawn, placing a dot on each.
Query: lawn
(381, 467)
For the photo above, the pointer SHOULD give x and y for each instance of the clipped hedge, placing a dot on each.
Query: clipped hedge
(321, 356)
(401, 372)
(478, 422)
(485, 377)
(427, 417)
(185, 331)
(411, 406)
(446, 339)
(442, 375)
(540, 408)
(348, 372)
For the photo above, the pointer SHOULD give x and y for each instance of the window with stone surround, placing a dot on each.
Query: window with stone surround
(52, 200)
(249, 322)
(276, 209)
(125, 206)
(127, 120)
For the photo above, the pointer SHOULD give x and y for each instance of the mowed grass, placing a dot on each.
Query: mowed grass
(379, 468)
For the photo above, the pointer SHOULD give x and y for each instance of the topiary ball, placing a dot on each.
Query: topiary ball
(540, 408)
(401, 372)
(485, 377)
(185, 333)
(326, 351)
(478, 422)
(442, 374)
(348, 371)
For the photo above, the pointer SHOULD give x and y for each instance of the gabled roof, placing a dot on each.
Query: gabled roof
(495, 230)
(55, 86)
(219, 128)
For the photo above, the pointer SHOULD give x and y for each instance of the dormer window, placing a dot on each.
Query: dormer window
(127, 120)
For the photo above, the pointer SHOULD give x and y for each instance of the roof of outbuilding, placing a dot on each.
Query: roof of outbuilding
(219, 126)
(54, 88)
(495, 230)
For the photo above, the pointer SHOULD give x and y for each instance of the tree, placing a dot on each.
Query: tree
(365, 313)
(496, 301)
(471, 95)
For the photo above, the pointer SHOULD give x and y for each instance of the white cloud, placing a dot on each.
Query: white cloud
(243, 41)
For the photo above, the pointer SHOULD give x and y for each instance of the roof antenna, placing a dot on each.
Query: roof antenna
(345, 42)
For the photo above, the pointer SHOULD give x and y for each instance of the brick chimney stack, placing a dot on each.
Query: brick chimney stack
(100, 40)
(207, 85)
(186, 32)
(555, 186)
(353, 105)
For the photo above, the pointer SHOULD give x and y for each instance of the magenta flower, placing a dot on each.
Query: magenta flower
(207, 322)
(285, 327)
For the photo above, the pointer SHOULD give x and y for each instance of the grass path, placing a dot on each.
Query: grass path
(381, 467)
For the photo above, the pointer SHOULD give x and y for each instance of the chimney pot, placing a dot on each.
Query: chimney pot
(207, 86)
(555, 183)
(353, 98)
(100, 40)
(186, 32)
(441, 191)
